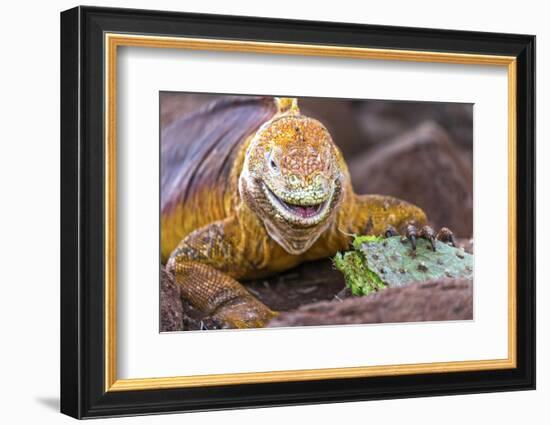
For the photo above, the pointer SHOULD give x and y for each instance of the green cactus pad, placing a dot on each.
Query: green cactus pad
(376, 263)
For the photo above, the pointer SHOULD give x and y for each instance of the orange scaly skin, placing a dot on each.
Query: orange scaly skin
(288, 199)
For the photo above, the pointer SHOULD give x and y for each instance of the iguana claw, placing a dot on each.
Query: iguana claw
(445, 235)
(426, 232)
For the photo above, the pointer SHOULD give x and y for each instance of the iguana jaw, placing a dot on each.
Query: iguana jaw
(294, 234)
(304, 214)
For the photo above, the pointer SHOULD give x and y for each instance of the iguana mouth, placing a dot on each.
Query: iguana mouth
(306, 214)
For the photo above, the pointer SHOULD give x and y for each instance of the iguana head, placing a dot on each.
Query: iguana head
(292, 178)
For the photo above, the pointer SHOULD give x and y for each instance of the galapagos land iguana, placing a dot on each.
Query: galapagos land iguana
(250, 188)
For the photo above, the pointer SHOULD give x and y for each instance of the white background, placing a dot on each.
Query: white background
(29, 171)
(139, 343)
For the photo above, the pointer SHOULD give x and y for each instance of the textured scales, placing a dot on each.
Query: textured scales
(198, 153)
(250, 187)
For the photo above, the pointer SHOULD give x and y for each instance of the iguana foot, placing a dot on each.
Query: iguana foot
(243, 313)
(412, 233)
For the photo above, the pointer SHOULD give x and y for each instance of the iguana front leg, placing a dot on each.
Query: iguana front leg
(205, 265)
(389, 216)
(374, 214)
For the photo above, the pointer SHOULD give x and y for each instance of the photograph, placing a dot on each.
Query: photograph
(281, 211)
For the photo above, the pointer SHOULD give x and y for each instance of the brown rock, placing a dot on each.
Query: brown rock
(382, 121)
(423, 167)
(437, 300)
(171, 310)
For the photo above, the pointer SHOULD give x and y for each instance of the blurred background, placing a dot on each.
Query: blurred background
(417, 151)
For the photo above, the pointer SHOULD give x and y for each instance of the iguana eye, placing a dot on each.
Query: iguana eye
(272, 164)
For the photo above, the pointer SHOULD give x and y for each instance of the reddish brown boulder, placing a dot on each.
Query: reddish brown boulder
(382, 121)
(423, 167)
(171, 310)
(444, 299)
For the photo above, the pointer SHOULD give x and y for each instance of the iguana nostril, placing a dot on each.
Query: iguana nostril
(294, 181)
(320, 183)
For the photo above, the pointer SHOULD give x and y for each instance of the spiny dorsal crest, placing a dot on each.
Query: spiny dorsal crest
(287, 106)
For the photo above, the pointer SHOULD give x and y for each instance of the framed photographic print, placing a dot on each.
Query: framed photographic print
(261, 212)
